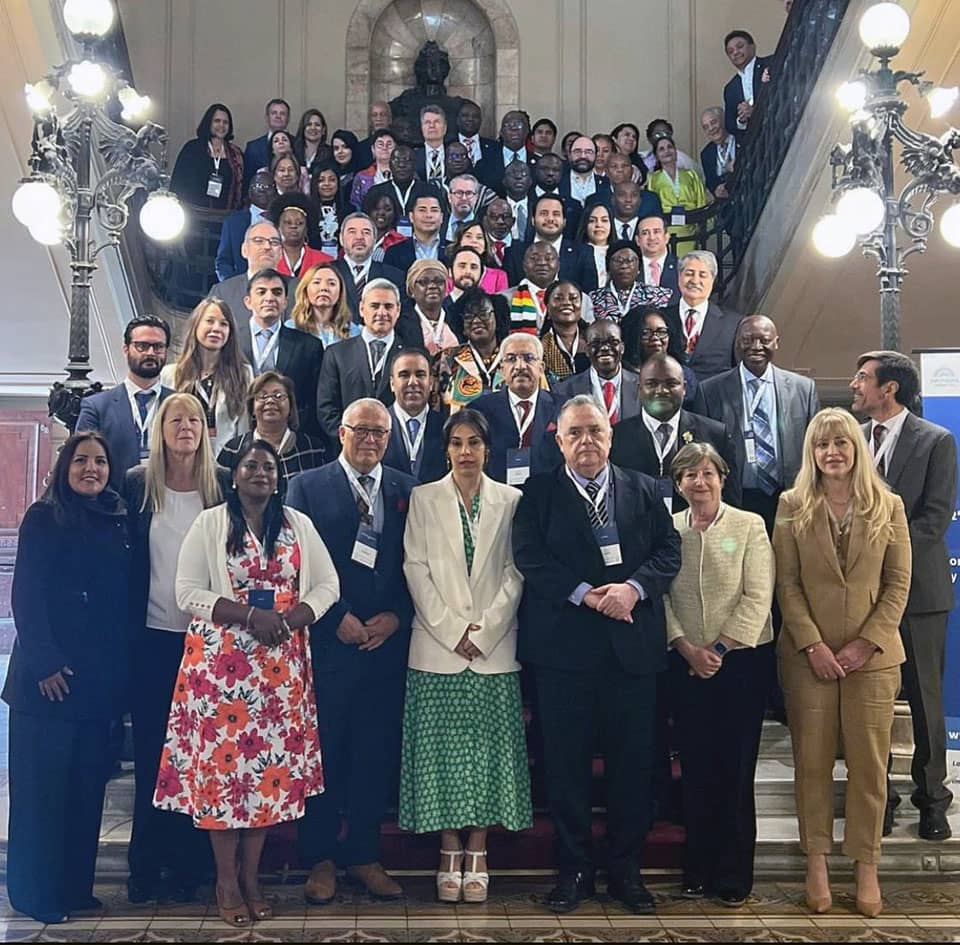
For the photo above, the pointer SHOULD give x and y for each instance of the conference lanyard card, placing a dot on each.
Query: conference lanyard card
(214, 186)
(665, 491)
(405, 227)
(609, 542)
(518, 467)
(261, 598)
(750, 445)
(678, 219)
(366, 546)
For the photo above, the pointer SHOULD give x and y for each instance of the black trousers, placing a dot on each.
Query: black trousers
(924, 639)
(574, 708)
(360, 724)
(58, 773)
(718, 722)
(159, 840)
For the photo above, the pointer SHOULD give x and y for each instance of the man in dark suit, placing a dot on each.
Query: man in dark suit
(740, 93)
(512, 146)
(521, 415)
(718, 156)
(580, 184)
(125, 413)
(358, 366)
(261, 248)
(230, 259)
(256, 153)
(575, 260)
(775, 419)
(357, 237)
(380, 116)
(612, 385)
(628, 206)
(707, 329)
(597, 552)
(658, 266)
(270, 346)
(426, 218)
(469, 120)
(430, 158)
(649, 441)
(359, 653)
(919, 461)
(416, 436)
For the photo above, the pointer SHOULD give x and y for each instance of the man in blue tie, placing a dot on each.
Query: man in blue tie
(416, 435)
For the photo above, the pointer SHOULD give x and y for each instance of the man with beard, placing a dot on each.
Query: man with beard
(463, 202)
(357, 266)
(124, 413)
(582, 183)
(466, 271)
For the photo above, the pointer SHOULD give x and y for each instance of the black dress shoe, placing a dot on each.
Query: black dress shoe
(570, 891)
(691, 888)
(632, 893)
(888, 819)
(731, 898)
(140, 889)
(934, 826)
(84, 904)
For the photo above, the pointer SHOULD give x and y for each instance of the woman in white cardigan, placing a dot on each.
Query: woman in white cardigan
(719, 628)
(242, 750)
(464, 761)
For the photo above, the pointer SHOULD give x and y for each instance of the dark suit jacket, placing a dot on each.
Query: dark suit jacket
(554, 548)
(490, 169)
(431, 460)
(344, 378)
(544, 453)
(403, 255)
(325, 495)
(576, 263)
(378, 270)
(229, 261)
(733, 96)
(650, 206)
(669, 277)
(708, 161)
(923, 471)
(797, 403)
(633, 448)
(575, 384)
(256, 154)
(110, 413)
(713, 353)
(299, 357)
(234, 290)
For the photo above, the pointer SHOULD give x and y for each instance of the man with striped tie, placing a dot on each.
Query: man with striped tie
(597, 551)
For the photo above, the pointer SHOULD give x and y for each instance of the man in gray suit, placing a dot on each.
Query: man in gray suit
(261, 248)
(607, 380)
(766, 410)
(919, 461)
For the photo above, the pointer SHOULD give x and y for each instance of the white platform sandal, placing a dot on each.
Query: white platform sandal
(450, 882)
(471, 878)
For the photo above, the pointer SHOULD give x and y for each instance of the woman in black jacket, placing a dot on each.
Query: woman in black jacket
(68, 677)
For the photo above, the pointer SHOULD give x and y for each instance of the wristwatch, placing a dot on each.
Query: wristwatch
(720, 649)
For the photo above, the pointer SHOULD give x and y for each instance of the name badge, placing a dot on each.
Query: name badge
(214, 185)
(365, 547)
(678, 219)
(518, 467)
(750, 445)
(609, 542)
(262, 599)
(665, 491)
(404, 228)
(330, 248)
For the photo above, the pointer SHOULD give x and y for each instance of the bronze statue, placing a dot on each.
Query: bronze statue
(431, 69)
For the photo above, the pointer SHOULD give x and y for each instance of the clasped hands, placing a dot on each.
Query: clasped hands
(848, 659)
(465, 648)
(272, 628)
(613, 600)
(370, 634)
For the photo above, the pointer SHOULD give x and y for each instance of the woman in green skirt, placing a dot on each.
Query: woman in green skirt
(464, 753)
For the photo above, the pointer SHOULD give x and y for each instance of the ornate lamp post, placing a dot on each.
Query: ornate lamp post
(58, 200)
(867, 205)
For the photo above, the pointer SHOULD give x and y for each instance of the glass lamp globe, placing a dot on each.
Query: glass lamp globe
(884, 28)
(47, 232)
(162, 216)
(941, 100)
(861, 209)
(39, 96)
(88, 17)
(852, 95)
(35, 202)
(950, 225)
(87, 79)
(134, 105)
(833, 237)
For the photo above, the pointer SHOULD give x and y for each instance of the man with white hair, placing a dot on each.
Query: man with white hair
(359, 652)
(357, 367)
(522, 414)
(720, 152)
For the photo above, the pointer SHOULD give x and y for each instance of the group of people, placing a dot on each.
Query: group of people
(318, 547)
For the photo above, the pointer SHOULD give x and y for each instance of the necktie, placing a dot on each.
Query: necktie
(468, 144)
(364, 506)
(413, 428)
(609, 397)
(879, 435)
(524, 407)
(499, 246)
(359, 278)
(541, 298)
(688, 326)
(625, 231)
(597, 512)
(763, 442)
(654, 272)
(143, 399)
(436, 171)
(663, 437)
(377, 349)
(263, 339)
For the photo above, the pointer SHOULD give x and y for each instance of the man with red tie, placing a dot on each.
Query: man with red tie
(497, 220)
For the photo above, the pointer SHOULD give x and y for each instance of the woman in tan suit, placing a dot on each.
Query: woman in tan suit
(843, 574)
(718, 626)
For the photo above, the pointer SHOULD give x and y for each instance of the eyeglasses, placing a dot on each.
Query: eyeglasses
(277, 396)
(463, 193)
(477, 316)
(526, 356)
(376, 434)
(429, 283)
(144, 346)
(654, 333)
(261, 241)
(514, 123)
(611, 344)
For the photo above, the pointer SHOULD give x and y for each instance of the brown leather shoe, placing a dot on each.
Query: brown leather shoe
(321, 887)
(377, 881)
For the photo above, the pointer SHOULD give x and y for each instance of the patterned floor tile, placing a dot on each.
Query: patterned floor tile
(328, 935)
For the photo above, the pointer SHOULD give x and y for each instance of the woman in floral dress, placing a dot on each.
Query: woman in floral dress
(242, 751)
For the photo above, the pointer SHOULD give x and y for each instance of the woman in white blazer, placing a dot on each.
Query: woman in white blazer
(464, 761)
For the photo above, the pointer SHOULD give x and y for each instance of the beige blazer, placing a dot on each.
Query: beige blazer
(445, 600)
(725, 584)
(820, 602)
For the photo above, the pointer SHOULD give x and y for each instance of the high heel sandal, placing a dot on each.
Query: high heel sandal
(477, 879)
(870, 908)
(450, 882)
(818, 902)
(236, 916)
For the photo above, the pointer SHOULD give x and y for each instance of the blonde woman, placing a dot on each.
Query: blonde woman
(164, 497)
(212, 367)
(843, 574)
(320, 306)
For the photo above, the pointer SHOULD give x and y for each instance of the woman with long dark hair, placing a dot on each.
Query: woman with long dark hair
(343, 153)
(209, 169)
(310, 143)
(330, 204)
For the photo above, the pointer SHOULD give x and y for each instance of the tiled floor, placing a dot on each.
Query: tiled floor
(915, 912)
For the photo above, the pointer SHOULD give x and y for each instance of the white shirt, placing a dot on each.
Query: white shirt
(618, 226)
(364, 272)
(746, 80)
(132, 391)
(429, 152)
(515, 410)
(353, 477)
(582, 187)
(168, 527)
(476, 152)
(256, 214)
(893, 427)
(700, 314)
(596, 385)
(653, 424)
(533, 289)
(519, 208)
(661, 261)
(510, 156)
